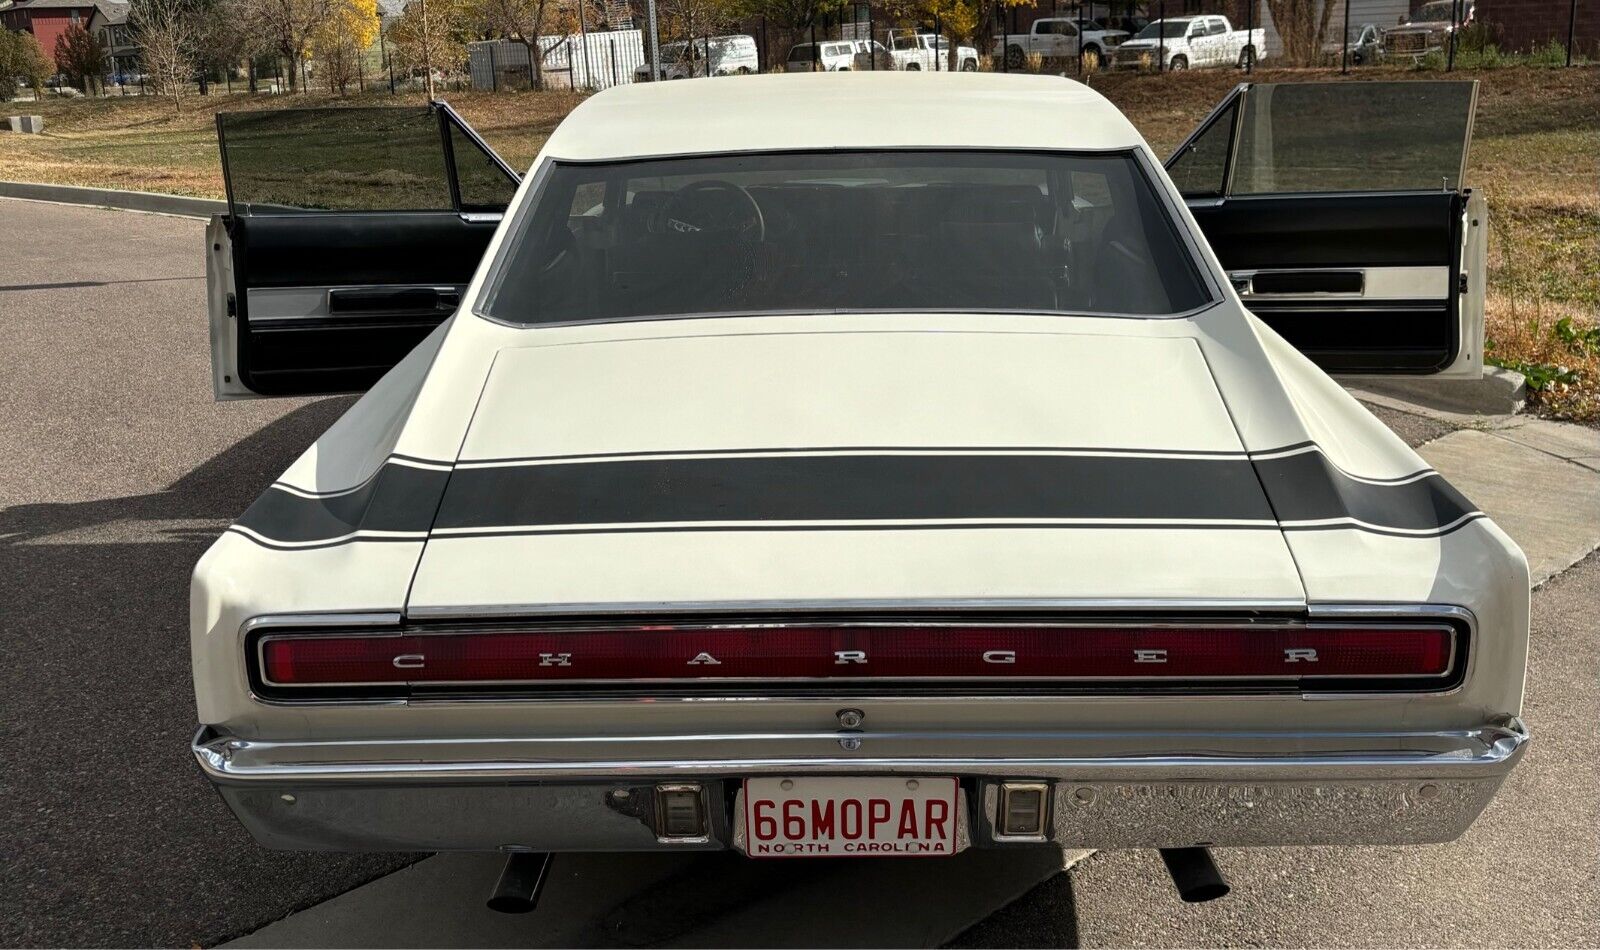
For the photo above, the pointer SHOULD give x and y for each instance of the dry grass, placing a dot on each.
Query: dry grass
(1533, 154)
(137, 142)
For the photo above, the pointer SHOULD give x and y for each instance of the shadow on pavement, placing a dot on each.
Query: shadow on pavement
(109, 836)
(1046, 916)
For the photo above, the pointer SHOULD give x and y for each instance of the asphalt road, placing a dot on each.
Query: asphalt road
(1525, 875)
(120, 469)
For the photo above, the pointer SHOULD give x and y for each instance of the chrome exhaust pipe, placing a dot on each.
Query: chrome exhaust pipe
(1194, 874)
(517, 891)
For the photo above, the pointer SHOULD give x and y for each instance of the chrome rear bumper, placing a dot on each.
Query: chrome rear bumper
(442, 795)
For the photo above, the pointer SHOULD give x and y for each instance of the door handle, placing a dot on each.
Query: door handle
(392, 300)
(1290, 282)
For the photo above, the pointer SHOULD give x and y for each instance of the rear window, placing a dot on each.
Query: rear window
(782, 233)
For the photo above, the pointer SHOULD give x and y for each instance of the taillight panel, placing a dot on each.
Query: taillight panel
(895, 656)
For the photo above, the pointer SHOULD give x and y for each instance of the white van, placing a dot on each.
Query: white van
(733, 55)
(823, 56)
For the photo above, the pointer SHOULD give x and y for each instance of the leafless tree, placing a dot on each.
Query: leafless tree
(524, 21)
(428, 36)
(288, 25)
(1302, 25)
(165, 33)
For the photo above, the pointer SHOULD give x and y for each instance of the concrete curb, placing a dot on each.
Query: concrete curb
(110, 198)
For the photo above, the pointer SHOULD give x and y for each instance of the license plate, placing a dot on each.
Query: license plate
(823, 817)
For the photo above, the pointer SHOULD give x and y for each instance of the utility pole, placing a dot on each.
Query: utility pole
(427, 51)
(1455, 27)
(583, 37)
(1344, 59)
(655, 45)
(1572, 28)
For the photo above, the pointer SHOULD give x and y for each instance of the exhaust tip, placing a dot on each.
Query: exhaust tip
(1195, 874)
(521, 881)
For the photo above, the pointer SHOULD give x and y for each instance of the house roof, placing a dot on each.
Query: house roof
(109, 12)
(51, 5)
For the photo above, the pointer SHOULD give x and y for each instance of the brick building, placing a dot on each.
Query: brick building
(1522, 25)
(47, 20)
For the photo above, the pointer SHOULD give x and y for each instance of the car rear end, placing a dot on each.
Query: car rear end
(857, 581)
(986, 728)
(875, 648)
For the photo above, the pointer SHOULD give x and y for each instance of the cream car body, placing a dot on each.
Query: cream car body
(380, 527)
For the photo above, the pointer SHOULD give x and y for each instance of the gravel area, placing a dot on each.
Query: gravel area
(1415, 429)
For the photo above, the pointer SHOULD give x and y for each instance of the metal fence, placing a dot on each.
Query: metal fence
(594, 60)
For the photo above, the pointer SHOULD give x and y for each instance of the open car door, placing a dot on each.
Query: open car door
(1339, 212)
(350, 235)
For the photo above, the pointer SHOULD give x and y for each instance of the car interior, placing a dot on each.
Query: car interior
(828, 232)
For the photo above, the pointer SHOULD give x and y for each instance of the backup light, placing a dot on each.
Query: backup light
(1023, 810)
(680, 813)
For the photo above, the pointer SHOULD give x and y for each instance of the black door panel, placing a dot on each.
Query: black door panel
(356, 262)
(350, 250)
(350, 239)
(1276, 231)
(1390, 336)
(1337, 210)
(1320, 309)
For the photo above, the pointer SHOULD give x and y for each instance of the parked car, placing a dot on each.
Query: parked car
(871, 54)
(1365, 45)
(670, 521)
(1429, 29)
(1190, 42)
(822, 57)
(1056, 39)
(923, 52)
(732, 55)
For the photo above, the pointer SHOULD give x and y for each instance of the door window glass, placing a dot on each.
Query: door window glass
(1200, 170)
(1338, 137)
(484, 185)
(387, 158)
(294, 160)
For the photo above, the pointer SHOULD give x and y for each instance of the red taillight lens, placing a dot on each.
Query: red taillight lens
(847, 652)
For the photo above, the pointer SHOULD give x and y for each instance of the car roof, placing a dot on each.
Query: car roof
(858, 109)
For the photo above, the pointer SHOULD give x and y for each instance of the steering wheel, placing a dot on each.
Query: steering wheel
(730, 209)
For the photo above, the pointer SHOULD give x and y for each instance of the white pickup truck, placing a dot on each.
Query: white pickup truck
(1058, 38)
(926, 52)
(1190, 43)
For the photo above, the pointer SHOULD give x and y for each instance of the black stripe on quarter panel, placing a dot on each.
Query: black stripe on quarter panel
(1308, 487)
(396, 498)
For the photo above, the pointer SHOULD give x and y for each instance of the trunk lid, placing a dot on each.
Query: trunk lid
(851, 468)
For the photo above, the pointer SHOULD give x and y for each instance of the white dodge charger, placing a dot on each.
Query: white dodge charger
(856, 464)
